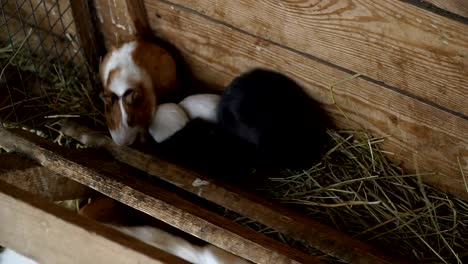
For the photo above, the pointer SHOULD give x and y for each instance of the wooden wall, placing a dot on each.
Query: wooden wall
(413, 63)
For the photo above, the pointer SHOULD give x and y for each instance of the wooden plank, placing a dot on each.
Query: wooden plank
(114, 22)
(112, 180)
(137, 13)
(217, 53)
(32, 177)
(48, 233)
(396, 43)
(459, 7)
(121, 21)
(290, 223)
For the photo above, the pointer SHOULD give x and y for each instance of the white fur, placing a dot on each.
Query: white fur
(157, 238)
(9, 256)
(215, 255)
(124, 135)
(201, 106)
(181, 248)
(129, 72)
(122, 58)
(169, 119)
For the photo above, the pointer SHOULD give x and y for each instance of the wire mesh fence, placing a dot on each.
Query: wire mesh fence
(45, 69)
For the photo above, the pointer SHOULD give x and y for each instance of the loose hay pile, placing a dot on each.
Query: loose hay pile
(356, 189)
(36, 97)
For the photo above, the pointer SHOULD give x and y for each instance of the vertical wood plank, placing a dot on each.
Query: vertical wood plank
(121, 20)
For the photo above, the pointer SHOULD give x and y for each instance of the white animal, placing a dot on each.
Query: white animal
(170, 117)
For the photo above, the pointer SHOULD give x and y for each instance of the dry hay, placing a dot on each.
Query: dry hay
(36, 97)
(357, 190)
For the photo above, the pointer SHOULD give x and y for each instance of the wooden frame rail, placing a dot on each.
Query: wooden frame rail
(113, 179)
(49, 233)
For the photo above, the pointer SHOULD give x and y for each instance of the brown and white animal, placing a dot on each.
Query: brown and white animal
(135, 76)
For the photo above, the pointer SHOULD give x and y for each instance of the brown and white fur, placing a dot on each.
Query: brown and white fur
(135, 77)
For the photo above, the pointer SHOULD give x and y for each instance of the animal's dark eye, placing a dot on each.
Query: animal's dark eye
(114, 98)
(127, 93)
(131, 97)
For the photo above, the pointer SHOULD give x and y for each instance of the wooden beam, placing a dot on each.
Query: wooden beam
(217, 53)
(390, 41)
(285, 221)
(48, 233)
(111, 179)
(32, 177)
(459, 7)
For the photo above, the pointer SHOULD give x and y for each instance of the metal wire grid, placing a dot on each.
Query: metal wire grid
(15, 25)
(43, 36)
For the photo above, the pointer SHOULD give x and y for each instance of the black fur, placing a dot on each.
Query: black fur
(272, 112)
(206, 148)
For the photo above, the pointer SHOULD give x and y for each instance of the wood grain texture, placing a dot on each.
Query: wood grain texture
(114, 21)
(390, 41)
(121, 20)
(459, 7)
(32, 177)
(217, 53)
(51, 234)
(110, 178)
(290, 223)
